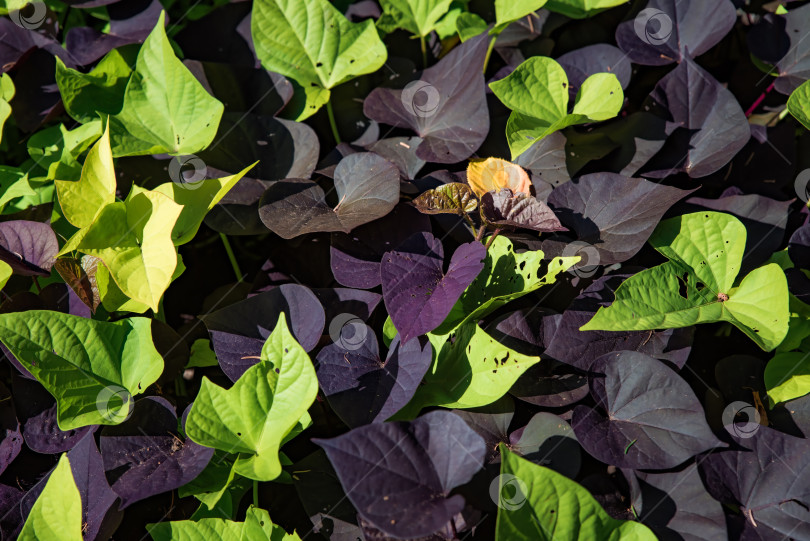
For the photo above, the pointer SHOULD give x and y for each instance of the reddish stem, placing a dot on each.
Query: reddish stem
(761, 97)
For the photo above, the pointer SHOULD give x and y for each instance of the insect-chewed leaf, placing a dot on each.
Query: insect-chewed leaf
(452, 198)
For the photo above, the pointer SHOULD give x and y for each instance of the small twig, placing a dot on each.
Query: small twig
(332, 122)
(36, 284)
(481, 231)
(471, 224)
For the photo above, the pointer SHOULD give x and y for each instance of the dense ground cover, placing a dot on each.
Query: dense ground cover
(407, 269)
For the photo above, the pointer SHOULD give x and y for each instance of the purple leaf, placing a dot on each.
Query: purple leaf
(582, 63)
(398, 475)
(238, 331)
(446, 106)
(518, 210)
(580, 348)
(146, 454)
(418, 294)
(36, 409)
(652, 420)
(355, 257)
(549, 441)
(10, 518)
(367, 187)
(794, 66)
(29, 247)
(768, 478)
(361, 387)
(708, 126)
(614, 213)
(676, 503)
(799, 247)
(491, 422)
(97, 496)
(667, 31)
(11, 439)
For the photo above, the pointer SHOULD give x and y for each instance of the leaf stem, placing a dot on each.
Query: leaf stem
(480, 236)
(231, 257)
(255, 493)
(761, 97)
(36, 284)
(489, 241)
(424, 51)
(332, 122)
(489, 52)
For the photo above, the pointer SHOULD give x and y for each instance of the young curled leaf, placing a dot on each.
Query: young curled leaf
(505, 208)
(495, 174)
(80, 275)
(452, 198)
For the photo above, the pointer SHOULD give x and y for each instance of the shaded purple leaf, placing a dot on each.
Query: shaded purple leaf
(652, 420)
(545, 160)
(361, 387)
(11, 439)
(398, 475)
(518, 210)
(147, 455)
(582, 63)
(97, 496)
(614, 213)
(418, 294)
(799, 247)
(36, 409)
(677, 504)
(238, 331)
(794, 67)
(446, 106)
(402, 152)
(355, 257)
(29, 247)
(10, 518)
(708, 126)
(667, 31)
(580, 348)
(549, 441)
(768, 478)
(367, 187)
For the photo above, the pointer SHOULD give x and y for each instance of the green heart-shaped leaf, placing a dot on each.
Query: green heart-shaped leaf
(263, 407)
(57, 512)
(92, 368)
(697, 284)
(256, 527)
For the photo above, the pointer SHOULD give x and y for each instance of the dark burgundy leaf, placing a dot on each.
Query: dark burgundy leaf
(518, 210)
(239, 331)
(363, 388)
(768, 478)
(10, 518)
(367, 187)
(667, 31)
(545, 160)
(356, 257)
(614, 213)
(708, 126)
(582, 63)
(580, 348)
(794, 67)
(29, 247)
(97, 496)
(147, 455)
(677, 506)
(11, 439)
(446, 106)
(36, 409)
(652, 419)
(418, 294)
(398, 475)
